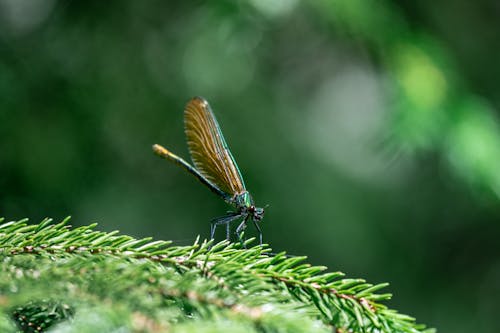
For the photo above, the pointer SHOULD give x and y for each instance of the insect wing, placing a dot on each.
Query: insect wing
(209, 151)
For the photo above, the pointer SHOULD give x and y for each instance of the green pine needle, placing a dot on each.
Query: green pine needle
(61, 279)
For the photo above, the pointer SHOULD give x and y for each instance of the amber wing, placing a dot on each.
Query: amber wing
(209, 151)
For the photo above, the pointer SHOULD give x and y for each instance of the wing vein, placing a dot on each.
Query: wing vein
(208, 149)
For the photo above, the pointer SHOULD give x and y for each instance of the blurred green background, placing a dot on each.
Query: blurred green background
(370, 128)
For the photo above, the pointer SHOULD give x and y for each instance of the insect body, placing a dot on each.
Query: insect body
(215, 167)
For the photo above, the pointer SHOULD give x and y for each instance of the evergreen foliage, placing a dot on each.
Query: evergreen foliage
(55, 278)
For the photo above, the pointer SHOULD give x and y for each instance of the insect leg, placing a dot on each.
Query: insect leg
(226, 219)
(256, 224)
(240, 228)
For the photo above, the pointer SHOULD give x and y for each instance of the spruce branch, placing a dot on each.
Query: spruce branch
(62, 279)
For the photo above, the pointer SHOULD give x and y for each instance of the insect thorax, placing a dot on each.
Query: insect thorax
(243, 199)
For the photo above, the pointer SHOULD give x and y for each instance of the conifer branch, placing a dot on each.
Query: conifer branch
(55, 276)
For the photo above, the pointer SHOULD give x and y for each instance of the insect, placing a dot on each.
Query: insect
(214, 166)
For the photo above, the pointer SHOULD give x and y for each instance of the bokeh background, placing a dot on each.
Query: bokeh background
(369, 127)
